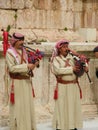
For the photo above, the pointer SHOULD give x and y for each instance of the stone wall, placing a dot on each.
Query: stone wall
(48, 18)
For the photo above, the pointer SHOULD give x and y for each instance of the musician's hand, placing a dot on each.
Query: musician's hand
(76, 69)
(37, 63)
(31, 66)
(73, 52)
(85, 69)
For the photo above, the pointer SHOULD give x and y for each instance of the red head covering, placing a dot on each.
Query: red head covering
(58, 46)
(16, 37)
(60, 43)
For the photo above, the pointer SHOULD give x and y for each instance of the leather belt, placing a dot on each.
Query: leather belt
(18, 76)
(59, 80)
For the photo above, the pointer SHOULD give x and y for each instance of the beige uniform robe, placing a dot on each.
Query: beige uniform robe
(22, 115)
(67, 112)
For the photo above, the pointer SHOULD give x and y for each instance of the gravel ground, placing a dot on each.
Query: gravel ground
(91, 124)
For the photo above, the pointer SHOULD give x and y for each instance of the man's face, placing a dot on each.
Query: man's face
(18, 44)
(64, 50)
(96, 54)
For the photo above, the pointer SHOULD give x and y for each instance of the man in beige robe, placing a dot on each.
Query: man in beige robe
(21, 101)
(67, 112)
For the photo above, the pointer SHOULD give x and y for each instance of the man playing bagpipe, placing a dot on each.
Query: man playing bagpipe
(20, 88)
(67, 94)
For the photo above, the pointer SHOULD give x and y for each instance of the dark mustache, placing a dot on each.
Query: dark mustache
(21, 44)
(68, 51)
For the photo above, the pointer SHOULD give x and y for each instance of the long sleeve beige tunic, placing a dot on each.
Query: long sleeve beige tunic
(22, 115)
(67, 111)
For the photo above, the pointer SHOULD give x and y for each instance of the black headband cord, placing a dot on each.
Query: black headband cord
(18, 38)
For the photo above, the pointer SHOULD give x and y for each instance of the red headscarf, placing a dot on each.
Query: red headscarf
(58, 46)
(16, 37)
(60, 43)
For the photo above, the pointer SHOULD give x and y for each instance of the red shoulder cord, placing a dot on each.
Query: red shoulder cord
(12, 99)
(12, 95)
(56, 92)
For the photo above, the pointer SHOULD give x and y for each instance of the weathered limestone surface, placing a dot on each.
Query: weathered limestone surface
(51, 35)
(18, 4)
(7, 18)
(44, 19)
(49, 14)
(5, 4)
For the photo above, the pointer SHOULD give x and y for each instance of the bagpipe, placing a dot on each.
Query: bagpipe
(81, 61)
(33, 55)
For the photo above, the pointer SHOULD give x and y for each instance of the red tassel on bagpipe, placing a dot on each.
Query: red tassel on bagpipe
(56, 93)
(12, 98)
(33, 93)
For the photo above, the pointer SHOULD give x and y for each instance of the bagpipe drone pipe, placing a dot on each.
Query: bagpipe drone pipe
(33, 56)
